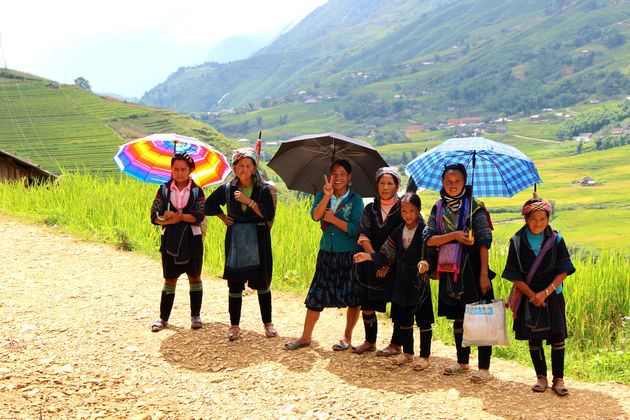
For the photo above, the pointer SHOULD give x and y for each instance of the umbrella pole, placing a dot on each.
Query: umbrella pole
(472, 183)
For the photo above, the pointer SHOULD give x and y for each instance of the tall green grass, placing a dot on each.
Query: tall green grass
(116, 210)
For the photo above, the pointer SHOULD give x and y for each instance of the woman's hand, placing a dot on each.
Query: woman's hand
(361, 256)
(242, 197)
(539, 299)
(484, 283)
(329, 216)
(461, 236)
(328, 188)
(226, 219)
(168, 214)
(423, 267)
(381, 273)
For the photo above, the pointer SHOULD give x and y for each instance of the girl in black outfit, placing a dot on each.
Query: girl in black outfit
(411, 294)
(178, 207)
(378, 220)
(248, 258)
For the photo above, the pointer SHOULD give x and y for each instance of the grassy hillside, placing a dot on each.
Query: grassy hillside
(65, 126)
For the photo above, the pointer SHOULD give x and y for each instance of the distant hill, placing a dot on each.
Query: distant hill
(238, 47)
(55, 125)
(402, 60)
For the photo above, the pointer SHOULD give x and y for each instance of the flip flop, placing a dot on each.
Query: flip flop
(387, 352)
(294, 345)
(195, 323)
(362, 348)
(421, 364)
(341, 346)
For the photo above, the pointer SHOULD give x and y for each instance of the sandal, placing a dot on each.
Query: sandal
(341, 346)
(540, 385)
(387, 352)
(455, 369)
(234, 334)
(195, 323)
(421, 363)
(481, 376)
(294, 345)
(158, 325)
(270, 331)
(401, 359)
(559, 388)
(362, 348)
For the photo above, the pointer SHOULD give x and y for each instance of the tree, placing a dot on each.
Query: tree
(83, 83)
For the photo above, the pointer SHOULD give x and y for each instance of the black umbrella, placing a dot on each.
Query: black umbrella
(302, 162)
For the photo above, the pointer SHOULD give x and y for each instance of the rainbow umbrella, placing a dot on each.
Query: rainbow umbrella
(149, 159)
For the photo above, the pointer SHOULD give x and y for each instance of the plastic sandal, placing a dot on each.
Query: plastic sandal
(158, 325)
(481, 376)
(362, 348)
(270, 331)
(234, 334)
(540, 385)
(195, 323)
(559, 388)
(401, 359)
(294, 345)
(387, 352)
(421, 364)
(454, 369)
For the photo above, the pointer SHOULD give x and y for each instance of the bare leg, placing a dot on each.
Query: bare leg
(352, 316)
(309, 324)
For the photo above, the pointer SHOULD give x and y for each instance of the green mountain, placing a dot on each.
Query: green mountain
(381, 62)
(55, 125)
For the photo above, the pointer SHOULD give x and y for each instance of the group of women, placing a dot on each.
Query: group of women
(369, 257)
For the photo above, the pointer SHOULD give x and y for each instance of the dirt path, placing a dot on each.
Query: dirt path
(536, 139)
(75, 342)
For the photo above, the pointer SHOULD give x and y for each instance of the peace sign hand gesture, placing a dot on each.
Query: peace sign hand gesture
(328, 188)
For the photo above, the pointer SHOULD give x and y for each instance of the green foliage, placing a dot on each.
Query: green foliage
(83, 83)
(592, 121)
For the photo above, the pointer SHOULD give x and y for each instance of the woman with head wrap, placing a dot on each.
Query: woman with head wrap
(248, 259)
(538, 262)
(378, 221)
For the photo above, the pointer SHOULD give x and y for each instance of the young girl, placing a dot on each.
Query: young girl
(248, 257)
(178, 207)
(469, 277)
(411, 296)
(378, 221)
(537, 263)
(334, 284)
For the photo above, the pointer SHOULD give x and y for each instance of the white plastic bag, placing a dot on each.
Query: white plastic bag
(484, 324)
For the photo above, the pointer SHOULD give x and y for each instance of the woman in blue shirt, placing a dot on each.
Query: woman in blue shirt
(334, 284)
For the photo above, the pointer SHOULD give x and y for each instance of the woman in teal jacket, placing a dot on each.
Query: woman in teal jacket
(335, 282)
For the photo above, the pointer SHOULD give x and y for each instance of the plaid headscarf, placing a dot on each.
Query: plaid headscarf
(391, 170)
(247, 152)
(537, 205)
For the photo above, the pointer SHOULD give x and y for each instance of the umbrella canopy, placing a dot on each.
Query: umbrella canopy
(303, 161)
(494, 169)
(149, 159)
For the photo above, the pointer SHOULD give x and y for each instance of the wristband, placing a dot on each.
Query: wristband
(160, 217)
(553, 285)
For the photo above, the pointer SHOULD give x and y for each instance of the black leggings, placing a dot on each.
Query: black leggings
(403, 318)
(235, 302)
(463, 353)
(538, 358)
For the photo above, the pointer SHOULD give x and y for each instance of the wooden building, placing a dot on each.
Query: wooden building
(13, 167)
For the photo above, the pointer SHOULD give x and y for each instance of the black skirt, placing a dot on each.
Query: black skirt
(557, 331)
(335, 282)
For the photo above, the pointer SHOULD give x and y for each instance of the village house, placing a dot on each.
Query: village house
(414, 129)
(13, 167)
(587, 181)
(616, 131)
(463, 121)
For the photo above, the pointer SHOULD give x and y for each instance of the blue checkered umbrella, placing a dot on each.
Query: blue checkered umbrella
(495, 169)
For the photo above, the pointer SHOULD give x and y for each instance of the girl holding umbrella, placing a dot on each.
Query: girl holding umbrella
(378, 221)
(334, 284)
(248, 259)
(466, 277)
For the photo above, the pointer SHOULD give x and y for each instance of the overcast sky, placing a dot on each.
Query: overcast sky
(127, 47)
